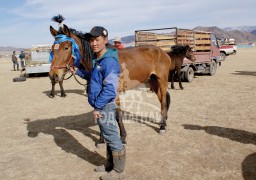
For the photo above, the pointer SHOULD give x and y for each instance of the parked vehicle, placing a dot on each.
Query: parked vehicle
(205, 45)
(227, 47)
(38, 61)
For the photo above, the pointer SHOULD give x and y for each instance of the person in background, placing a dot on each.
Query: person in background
(118, 43)
(22, 60)
(15, 61)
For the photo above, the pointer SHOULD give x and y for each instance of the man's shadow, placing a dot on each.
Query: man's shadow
(249, 163)
(57, 128)
(81, 123)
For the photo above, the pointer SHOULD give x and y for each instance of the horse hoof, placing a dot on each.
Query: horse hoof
(100, 145)
(124, 143)
(162, 131)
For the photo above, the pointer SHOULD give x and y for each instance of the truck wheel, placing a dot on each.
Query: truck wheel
(183, 76)
(222, 56)
(213, 68)
(189, 74)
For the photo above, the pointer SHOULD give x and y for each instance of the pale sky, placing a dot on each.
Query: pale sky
(24, 23)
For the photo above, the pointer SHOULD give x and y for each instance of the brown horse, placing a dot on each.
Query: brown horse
(177, 54)
(138, 65)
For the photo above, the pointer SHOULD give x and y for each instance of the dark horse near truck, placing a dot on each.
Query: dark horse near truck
(177, 54)
(138, 65)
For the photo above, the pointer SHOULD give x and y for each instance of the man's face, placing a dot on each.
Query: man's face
(117, 43)
(98, 43)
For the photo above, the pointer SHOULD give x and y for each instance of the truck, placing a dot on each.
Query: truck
(37, 60)
(205, 45)
(227, 47)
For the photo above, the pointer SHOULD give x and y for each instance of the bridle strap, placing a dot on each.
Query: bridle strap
(62, 67)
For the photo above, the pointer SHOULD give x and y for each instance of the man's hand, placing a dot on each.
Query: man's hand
(72, 70)
(96, 114)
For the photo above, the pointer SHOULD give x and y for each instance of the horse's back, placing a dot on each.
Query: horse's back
(139, 63)
(149, 54)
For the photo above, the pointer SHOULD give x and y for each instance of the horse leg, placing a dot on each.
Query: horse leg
(172, 75)
(179, 77)
(52, 94)
(63, 94)
(119, 119)
(164, 98)
(101, 141)
(160, 88)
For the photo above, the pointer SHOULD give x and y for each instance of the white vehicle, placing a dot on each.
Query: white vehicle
(38, 63)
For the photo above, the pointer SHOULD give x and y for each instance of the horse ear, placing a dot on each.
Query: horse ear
(53, 31)
(66, 30)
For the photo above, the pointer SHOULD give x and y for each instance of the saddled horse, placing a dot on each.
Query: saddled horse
(177, 54)
(137, 65)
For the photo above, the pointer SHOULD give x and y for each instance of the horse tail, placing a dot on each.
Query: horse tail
(168, 100)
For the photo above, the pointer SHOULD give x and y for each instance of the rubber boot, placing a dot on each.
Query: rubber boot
(108, 166)
(119, 164)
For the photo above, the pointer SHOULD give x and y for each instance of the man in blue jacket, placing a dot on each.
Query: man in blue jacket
(103, 84)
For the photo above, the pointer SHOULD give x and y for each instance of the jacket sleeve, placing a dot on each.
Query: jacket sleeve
(108, 83)
(83, 74)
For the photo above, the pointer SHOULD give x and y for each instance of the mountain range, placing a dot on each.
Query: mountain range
(242, 34)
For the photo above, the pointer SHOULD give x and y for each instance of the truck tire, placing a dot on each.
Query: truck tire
(213, 68)
(222, 56)
(19, 79)
(189, 74)
(183, 76)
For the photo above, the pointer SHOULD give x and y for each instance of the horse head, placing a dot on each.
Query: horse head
(190, 53)
(65, 52)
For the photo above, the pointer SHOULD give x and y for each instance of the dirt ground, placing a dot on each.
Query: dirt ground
(211, 131)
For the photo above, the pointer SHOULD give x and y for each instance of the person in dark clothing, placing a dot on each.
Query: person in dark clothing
(22, 60)
(15, 61)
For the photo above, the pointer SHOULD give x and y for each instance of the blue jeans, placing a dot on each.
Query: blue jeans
(22, 64)
(108, 128)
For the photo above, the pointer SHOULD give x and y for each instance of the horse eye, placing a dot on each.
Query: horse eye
(66, 48)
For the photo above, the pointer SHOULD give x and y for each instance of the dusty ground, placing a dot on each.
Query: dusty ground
(211, 128)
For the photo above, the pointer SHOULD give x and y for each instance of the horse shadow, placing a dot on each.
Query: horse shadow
(57, 127)
(127, 116)
(74, 91)
(245, 73)
(249, 163)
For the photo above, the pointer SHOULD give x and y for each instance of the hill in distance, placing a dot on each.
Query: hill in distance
(242, 34)
(239, 36)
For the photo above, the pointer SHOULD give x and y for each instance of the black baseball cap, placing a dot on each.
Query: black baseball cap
(97, 31)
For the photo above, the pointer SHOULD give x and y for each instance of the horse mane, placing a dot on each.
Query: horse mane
(178, 49)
